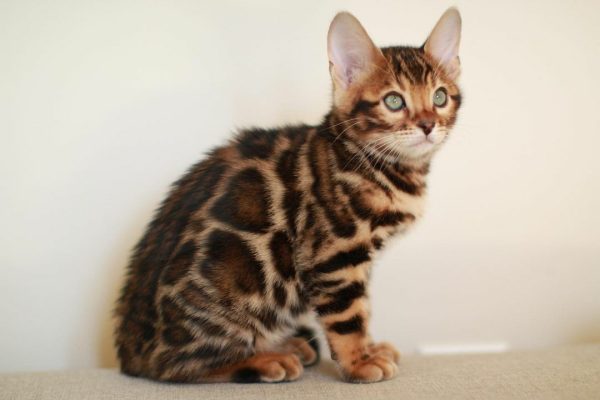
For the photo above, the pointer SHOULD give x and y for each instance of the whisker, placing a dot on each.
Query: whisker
(344, 131)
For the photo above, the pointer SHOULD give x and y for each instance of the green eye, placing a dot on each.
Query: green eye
(394, 101)
(440, 97)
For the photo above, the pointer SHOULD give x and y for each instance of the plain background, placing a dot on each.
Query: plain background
(104, 104)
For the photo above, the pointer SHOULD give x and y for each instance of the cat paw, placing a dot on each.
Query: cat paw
(378, 362)
(300, 347)
(271, 368)
(385, 349)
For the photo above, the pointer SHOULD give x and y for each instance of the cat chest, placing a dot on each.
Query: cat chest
(381, 204)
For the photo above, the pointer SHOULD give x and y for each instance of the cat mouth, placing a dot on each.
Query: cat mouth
(422, 142)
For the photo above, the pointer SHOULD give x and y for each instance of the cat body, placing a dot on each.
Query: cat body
(277, 229)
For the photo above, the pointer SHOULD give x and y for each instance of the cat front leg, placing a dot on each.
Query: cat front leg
(342, 305)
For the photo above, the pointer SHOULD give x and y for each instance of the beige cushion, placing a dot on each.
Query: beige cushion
(563, 373)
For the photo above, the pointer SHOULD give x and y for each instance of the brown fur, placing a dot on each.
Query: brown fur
(278, 226)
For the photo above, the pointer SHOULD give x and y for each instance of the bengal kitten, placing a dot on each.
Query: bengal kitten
(279, 226)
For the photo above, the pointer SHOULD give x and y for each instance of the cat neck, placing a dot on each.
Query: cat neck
(336, 130)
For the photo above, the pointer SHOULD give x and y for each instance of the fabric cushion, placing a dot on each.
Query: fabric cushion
(562, 373)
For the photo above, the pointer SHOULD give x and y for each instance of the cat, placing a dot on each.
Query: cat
(277, 228)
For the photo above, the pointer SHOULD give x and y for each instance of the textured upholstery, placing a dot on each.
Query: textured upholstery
(563, 373)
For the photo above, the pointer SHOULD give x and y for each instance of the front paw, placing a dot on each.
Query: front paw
(375, 363)
(385, 349)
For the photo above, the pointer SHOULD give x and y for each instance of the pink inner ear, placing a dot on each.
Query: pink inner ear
(350, 48)
(444, 41)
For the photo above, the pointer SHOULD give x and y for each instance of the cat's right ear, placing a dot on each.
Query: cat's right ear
(352, 54)
(444, 41)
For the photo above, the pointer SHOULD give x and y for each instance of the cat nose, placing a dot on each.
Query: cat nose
(426, 126)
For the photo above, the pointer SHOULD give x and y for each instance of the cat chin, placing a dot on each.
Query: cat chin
(418, 154)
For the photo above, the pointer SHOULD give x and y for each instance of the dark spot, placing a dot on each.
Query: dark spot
(176, 335)
(245, 204)
(231, 266)
(310, 216)
(179, 265)
(171, 312)
(377, 242)
(266, 316)
(246, 375)
(344, 259)
(342, 299)
(352, 325)
(257, 143)
(280, 294)
(282, 252)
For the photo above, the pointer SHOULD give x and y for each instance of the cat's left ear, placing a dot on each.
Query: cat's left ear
(352, 54)
(443, 42)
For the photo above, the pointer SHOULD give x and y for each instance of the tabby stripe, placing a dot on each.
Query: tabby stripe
(197, 297)
(174, 313)
(344, 259)
(266, 317)
(208, 327)
(397, 66)
(327, 284)
(457, 99)
(405, 68)
(286, 169)
(363, 107)
(324, 189)
(401, 181)
(342, 299)
(359, 209)
(215, 355)
(415, 69)
(390, 218)
(348, 161)
(352, 325)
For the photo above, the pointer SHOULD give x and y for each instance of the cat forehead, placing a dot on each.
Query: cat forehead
(409, 63)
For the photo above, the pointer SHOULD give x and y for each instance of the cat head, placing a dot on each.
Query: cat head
(396, 102)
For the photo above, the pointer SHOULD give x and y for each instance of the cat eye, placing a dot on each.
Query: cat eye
(440, 97)
(394, 101)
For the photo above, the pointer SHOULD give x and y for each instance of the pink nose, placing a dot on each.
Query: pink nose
(426, 126)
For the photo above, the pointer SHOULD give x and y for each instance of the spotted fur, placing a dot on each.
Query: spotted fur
(279, 227)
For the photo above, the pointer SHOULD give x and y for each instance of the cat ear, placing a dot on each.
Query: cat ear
(351, 52)
(443, 42)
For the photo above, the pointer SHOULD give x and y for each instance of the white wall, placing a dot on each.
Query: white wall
(103, 104)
